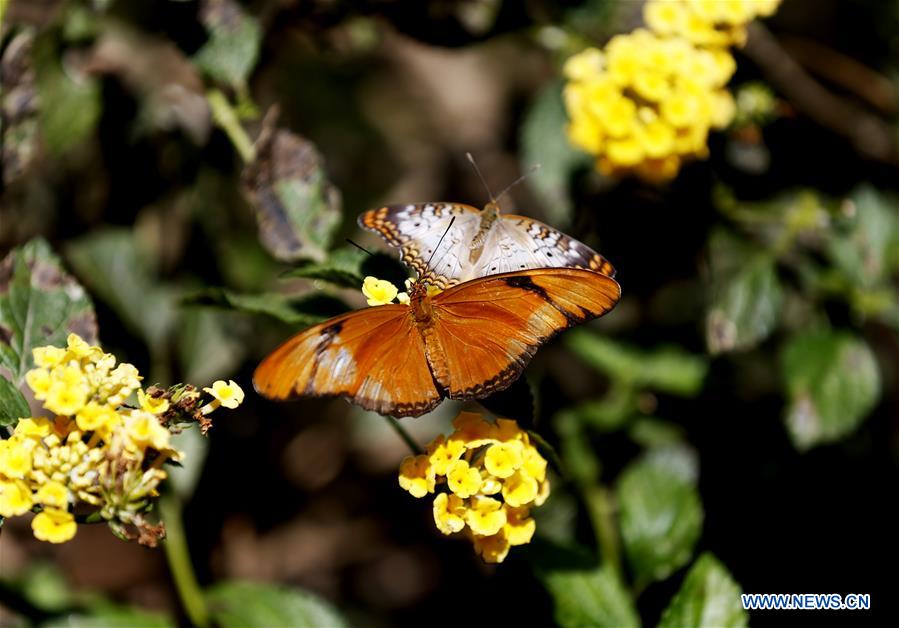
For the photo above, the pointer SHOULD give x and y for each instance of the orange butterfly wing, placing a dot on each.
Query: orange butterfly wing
(486, 331)
(374, 357)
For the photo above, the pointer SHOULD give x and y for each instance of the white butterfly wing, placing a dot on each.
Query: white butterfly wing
(517, 243)
(416, 230)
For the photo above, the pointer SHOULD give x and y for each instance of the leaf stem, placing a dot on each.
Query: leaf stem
(407, 438)
(601, 510)
(226, 117)
(178, 557)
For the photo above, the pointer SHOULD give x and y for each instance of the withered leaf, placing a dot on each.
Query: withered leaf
(297, 208)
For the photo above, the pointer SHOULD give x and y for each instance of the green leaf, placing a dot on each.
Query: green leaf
(590, 597)
(255, 605)
(112, 617)
(746, 297)
(661, 516)
(40, 304)
(708, 597)
(13, 405)
(868, 254)
(279, 306)
(832, 383)
(112, 265)
(666, 369)
(343, 268)
(210, 344)
(543, 142)
(233, 46)
(69, 107)
(297, 208)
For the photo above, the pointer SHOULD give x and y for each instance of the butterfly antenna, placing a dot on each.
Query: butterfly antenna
(360, 247)
(533, 169)
(481, 176)
(440, 241)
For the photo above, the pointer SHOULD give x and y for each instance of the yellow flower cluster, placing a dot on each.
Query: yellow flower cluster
(645, 103)
(706, 22)
(96, 454)
(492, 474)
(381, 292)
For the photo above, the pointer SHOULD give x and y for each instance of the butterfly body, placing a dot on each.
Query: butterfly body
(464, 343)
(480, 243)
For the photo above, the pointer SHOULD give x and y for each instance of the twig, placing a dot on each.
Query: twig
(870, 135)
(407, 438)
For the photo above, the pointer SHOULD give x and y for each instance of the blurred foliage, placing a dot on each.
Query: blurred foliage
(198, 167)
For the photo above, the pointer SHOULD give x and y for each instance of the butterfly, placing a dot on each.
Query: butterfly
(466, 342)
(482, 242)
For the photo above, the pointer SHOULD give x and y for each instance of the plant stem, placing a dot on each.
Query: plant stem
(407, 438)
(224, 115)
(602, 515)
(178, 557)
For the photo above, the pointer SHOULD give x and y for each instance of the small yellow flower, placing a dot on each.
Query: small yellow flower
(493, 548)
(53, 495)
(486, 516)
(144, 431)
(441, 452)
(48, 357)
(36, 427)
(449, 513)
(15, 498)
(503, 459)
(65, 398)
(39, 381)
(520, 489)
(472, 430)
(542, 493)
(416, 475)
(403, 298)
(228, 394)
(519, 528)
(584, 65)
(378, 291)
(79, 348)
(93, 417)
(15, 457)
(490, 486)
(158, 405)
(462, 479)
(533, 463)
(54, 526)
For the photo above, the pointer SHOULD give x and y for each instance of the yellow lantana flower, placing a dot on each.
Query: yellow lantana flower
(229, 394)
(39, 381)
(416, 475)
(449, 513)
(493, 548)
(48, 357)
(519, 528)
(53, 494)
(378, 291)
(65, 398)
(144, 431)
(54, 526)
(486, 516)
(158, 405)
(462, 479)
(442, 452)
(15, 498)
(503, 459)
(37, 427)
(15, 458)
(494, 474)
(93, 417)
(520, 489)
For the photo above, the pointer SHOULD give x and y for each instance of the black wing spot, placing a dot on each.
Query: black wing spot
(418, 224)
(549, 254)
